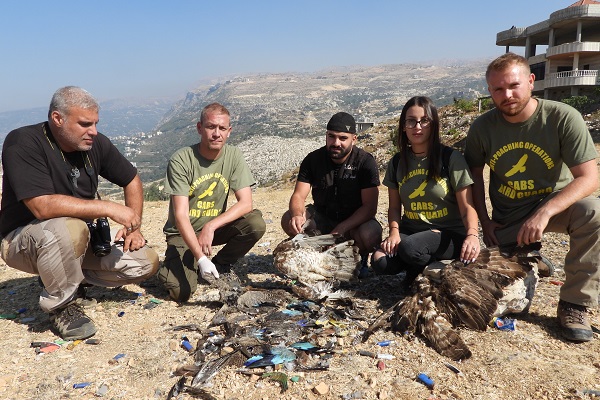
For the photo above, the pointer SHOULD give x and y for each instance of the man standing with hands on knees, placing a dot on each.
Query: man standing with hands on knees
(49, 191)
(344, 181)
(542, 172)
(199, 178)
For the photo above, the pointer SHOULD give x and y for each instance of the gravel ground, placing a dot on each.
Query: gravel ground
(532, 362)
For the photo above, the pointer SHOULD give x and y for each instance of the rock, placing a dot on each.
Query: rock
(321, 389)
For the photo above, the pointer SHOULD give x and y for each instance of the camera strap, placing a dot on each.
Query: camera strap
(72, 171)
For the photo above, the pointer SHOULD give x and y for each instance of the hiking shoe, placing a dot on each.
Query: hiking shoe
(545, 266)
(83, 299)
(574, 322)
(71, 323)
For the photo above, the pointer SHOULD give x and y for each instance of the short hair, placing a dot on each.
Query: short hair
(506, 60)
(213, 108)
(71, 96)
(435, 144)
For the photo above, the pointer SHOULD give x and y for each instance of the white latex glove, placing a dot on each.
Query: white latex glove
(207, 268)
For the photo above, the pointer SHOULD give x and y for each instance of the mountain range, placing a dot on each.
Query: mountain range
(284, 105)
(292, 105)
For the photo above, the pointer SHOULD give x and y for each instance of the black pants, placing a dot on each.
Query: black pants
(418, 250)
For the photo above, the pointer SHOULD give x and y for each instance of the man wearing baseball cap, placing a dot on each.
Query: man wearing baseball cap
(344, 181)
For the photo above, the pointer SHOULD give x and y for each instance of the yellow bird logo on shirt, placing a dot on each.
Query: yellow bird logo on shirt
(420, 191)
(518, 167)
(209, 191)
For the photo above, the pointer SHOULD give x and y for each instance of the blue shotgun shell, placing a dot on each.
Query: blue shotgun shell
(425, 380)
(187, 345)
(81, 385)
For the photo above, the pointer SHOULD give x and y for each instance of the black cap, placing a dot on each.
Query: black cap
(342, 122)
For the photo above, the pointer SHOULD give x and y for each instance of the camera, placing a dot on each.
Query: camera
(100, 237)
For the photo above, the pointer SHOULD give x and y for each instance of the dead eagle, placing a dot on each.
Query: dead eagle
(319, 263)
(499, 282)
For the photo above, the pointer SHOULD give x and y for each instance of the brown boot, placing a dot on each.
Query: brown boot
(574, 322)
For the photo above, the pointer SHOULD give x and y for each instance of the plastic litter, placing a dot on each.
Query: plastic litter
(47, 349)
(425, 380)
(453, 368)
(102, 390)
(367, 354)
(81, 385)
(187, 345)
(149, 306)
(385, 356)
(504, 324)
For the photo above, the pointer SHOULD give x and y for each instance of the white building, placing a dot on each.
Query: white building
(570, 65)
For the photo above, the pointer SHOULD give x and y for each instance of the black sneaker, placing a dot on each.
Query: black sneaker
(364, 271)
(574, 322)
(71, 323)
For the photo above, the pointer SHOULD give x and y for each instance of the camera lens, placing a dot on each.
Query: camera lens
(100, 237)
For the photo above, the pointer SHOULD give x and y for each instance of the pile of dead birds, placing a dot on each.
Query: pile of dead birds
(279, 329)
(268, 332)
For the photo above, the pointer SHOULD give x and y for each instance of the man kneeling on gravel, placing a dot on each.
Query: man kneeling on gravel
(345, 190)
(51, 222)
(198, 179)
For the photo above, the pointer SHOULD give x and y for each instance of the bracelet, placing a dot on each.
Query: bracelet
(471, 234)
(475, 229)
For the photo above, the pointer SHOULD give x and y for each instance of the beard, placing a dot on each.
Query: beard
(515, 108)
(337, 153)
(72, 142)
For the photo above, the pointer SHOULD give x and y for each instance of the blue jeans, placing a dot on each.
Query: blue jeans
(418, 250)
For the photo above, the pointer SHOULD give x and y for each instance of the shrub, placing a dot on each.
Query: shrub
(465, 105)
(155, 192)
(580, 103)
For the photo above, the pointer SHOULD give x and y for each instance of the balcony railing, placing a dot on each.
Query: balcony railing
(580, 77)
(576, 73)
(573, 47)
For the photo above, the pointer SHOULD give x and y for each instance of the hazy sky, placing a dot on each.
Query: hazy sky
(141, 48)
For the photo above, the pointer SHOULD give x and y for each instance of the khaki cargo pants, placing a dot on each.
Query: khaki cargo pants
(581, 222)
(57, 250)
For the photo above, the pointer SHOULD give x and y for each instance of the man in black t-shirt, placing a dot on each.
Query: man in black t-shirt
(49, 190)
(344, 181)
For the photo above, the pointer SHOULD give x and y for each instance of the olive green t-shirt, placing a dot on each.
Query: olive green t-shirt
(429, 204)
(206, 183)
(528, 160)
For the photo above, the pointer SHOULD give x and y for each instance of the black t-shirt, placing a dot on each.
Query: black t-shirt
(336, 189)
(33, 167)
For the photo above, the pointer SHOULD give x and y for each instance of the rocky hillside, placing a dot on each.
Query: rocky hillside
(298, 106)
(272, 158)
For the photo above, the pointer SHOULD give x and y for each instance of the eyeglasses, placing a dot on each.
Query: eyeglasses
(411, 123)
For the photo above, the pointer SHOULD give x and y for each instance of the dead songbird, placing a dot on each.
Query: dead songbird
(500, 281)
(314, 259)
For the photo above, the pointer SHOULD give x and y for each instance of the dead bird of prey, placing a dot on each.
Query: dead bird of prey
(317, 262)
(500, 281)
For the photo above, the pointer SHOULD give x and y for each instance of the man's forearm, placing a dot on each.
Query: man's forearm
(479, 197)
(134, 195)
(237, 211)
